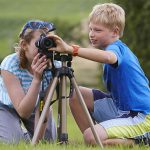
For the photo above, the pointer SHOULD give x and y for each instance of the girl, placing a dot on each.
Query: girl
(20, 85)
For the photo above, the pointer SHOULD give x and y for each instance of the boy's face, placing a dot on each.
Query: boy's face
(99, 35)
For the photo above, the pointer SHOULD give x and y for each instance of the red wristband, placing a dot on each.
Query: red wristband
(75, 49)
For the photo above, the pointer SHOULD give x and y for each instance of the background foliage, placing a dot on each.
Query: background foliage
(66, 15)
(137, 31)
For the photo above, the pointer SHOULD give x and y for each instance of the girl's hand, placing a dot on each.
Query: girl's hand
(38, 65)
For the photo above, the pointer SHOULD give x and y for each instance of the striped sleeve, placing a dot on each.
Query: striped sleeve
(11, 64)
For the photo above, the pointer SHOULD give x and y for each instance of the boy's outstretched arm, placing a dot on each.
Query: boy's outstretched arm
(88, 53)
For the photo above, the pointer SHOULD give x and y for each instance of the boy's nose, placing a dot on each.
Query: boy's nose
(91, 34)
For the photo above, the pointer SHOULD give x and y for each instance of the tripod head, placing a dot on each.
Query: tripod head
(63, 58)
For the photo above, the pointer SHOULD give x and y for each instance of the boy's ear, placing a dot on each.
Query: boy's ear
(116, 31)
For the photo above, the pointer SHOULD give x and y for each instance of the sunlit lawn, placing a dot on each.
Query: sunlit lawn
(13, 13)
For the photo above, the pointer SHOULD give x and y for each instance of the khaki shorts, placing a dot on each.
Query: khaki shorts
(11, 130)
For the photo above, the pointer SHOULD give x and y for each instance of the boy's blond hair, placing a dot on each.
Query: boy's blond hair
(110, 15)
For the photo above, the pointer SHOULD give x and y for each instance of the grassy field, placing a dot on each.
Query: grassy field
(13, 14)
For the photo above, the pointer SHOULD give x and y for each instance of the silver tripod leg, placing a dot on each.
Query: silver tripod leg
(44, 112)
(84, 107)
(62, 112)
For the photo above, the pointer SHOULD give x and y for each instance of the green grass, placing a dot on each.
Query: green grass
(75, 139)
(55, 146)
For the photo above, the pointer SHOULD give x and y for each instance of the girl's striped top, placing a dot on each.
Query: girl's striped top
(11, 64)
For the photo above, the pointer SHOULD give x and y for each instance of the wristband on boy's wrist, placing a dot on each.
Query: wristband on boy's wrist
(75, 49)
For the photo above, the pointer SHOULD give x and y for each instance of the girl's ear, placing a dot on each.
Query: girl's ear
(23, 44)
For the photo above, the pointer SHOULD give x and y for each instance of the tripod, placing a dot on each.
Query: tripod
(60, 76)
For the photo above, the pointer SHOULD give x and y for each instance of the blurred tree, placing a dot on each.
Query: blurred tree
(137, 31)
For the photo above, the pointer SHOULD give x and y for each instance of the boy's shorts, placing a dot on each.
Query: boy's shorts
(120, 124)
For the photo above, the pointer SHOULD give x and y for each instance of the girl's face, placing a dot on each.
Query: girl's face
(31, 49)
(100, 36)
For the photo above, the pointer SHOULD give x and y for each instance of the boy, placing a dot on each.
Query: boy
(123, 113)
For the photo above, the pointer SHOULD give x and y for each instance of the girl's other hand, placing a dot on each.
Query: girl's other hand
(38, 65)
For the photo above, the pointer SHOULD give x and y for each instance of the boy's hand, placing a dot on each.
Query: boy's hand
(61, 46)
